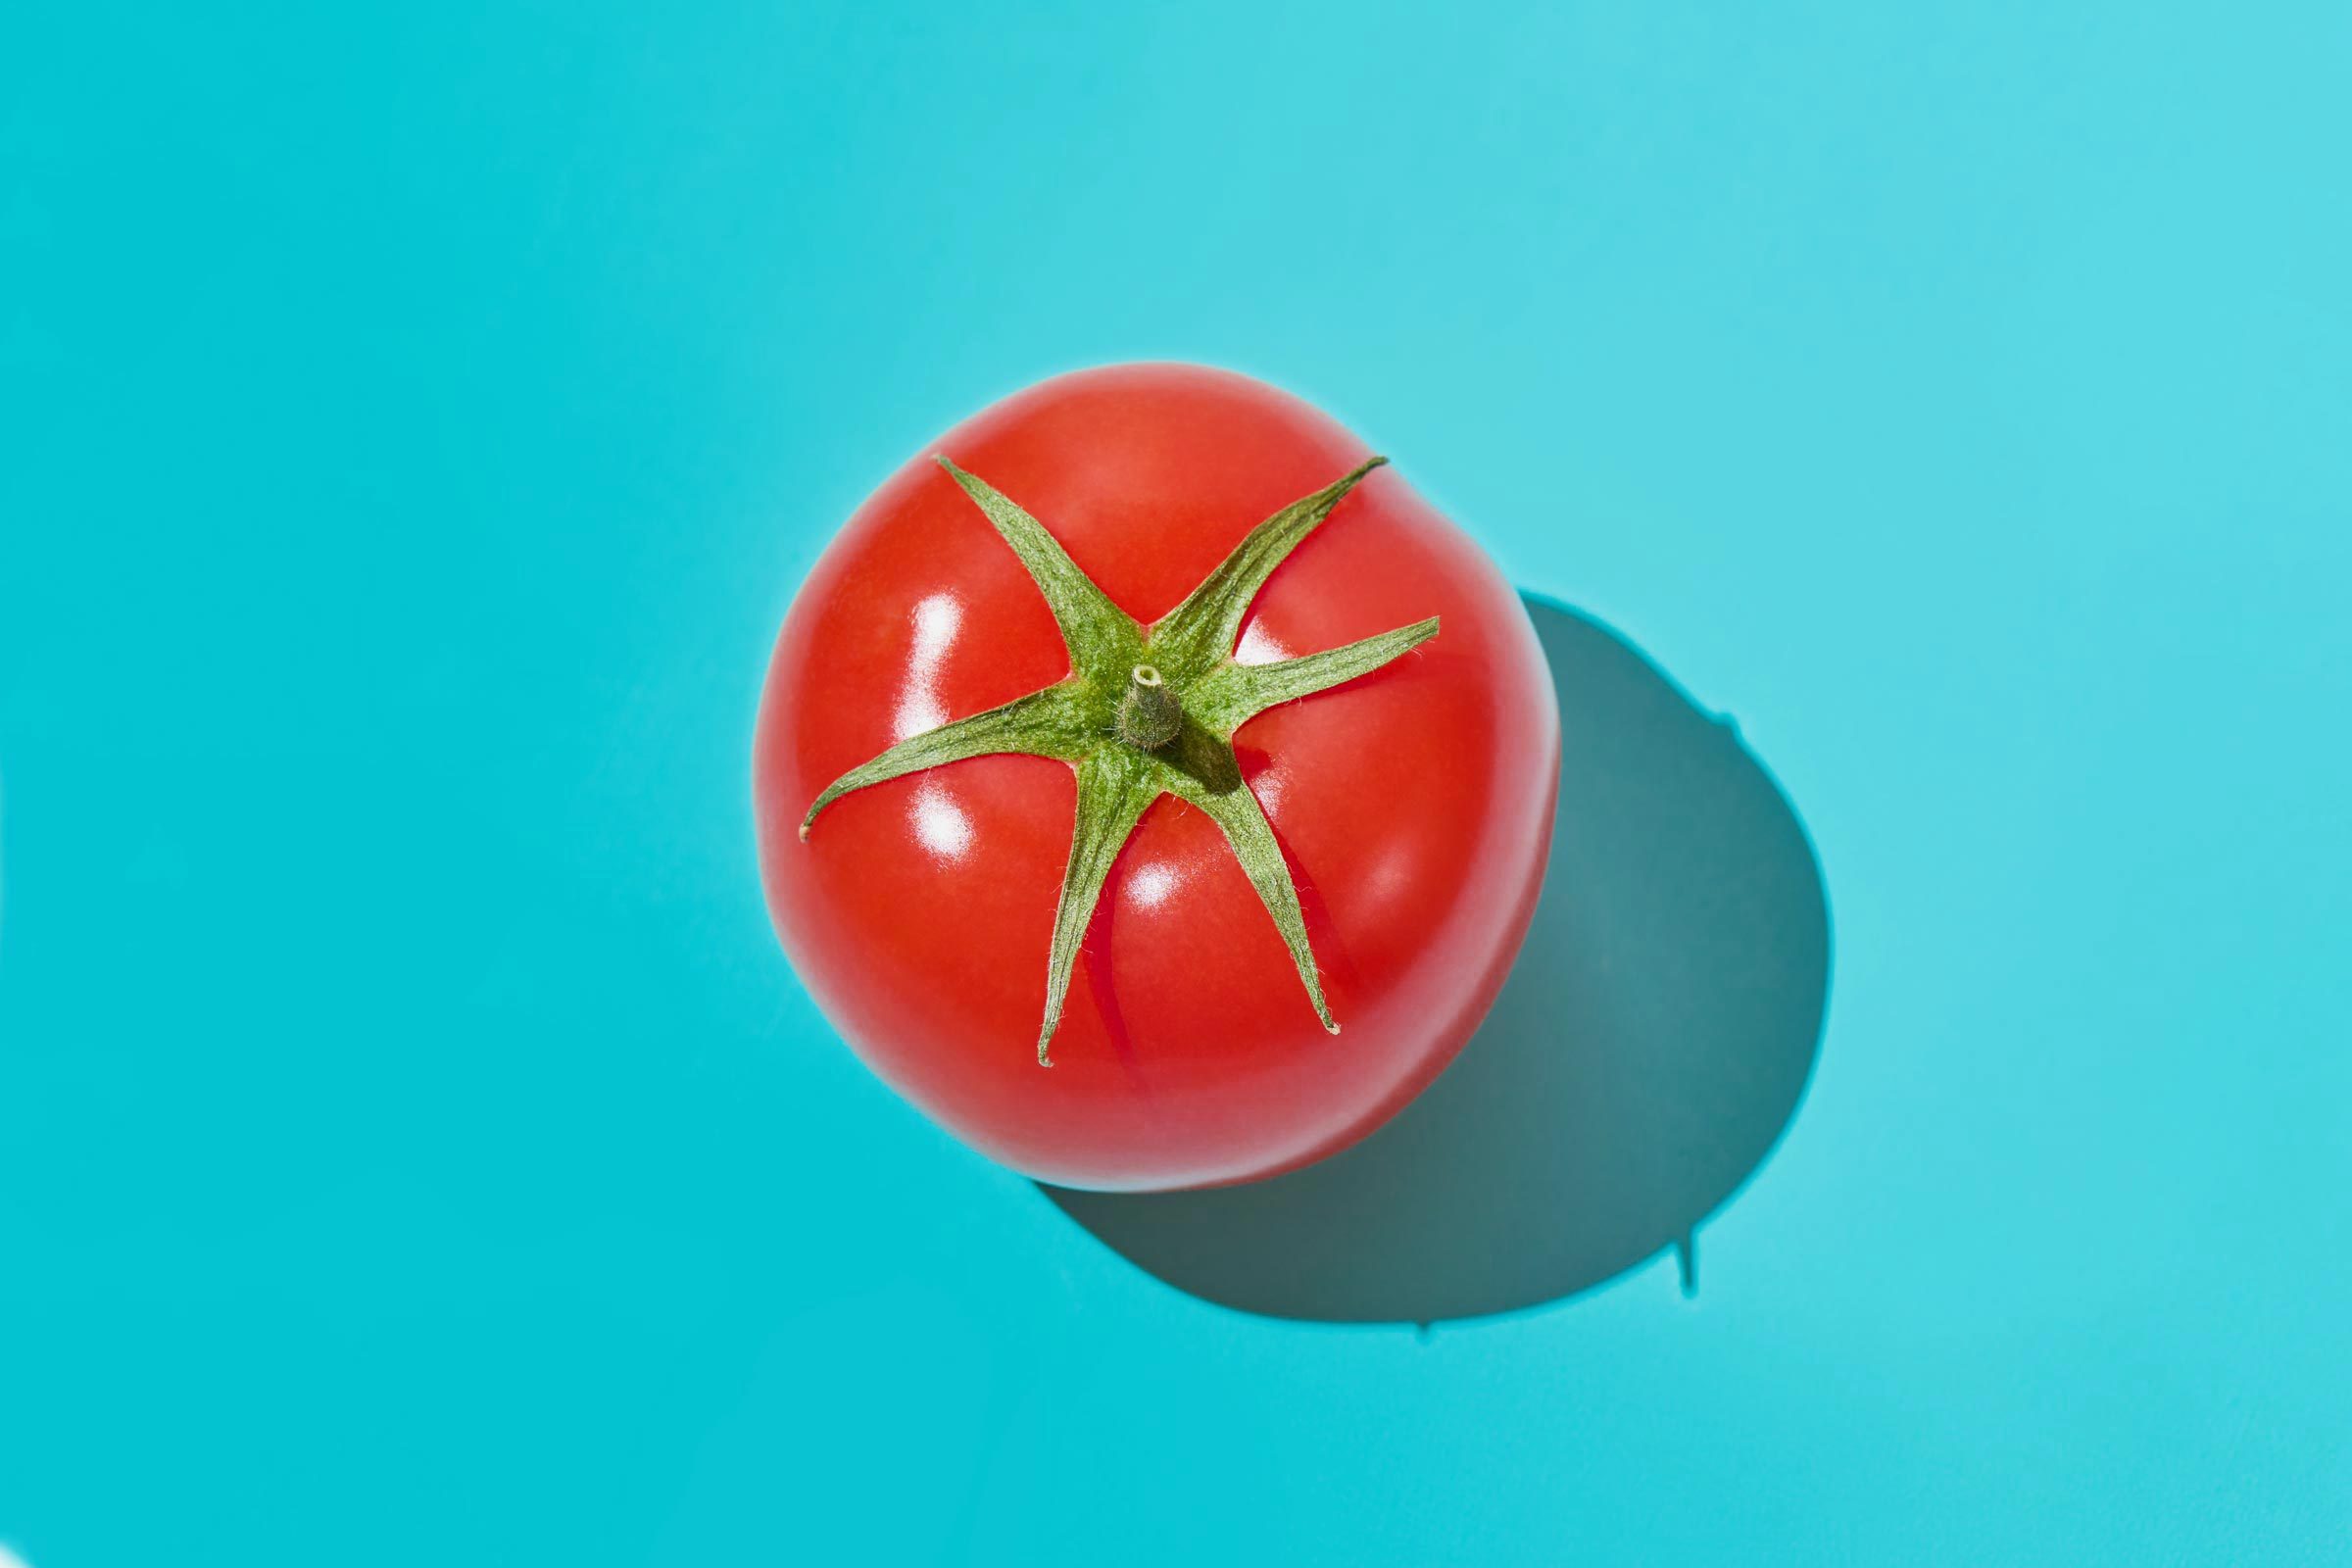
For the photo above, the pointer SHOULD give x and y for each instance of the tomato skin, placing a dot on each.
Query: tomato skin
(1415, 805)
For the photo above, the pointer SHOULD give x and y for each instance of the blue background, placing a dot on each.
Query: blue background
(412, 1146)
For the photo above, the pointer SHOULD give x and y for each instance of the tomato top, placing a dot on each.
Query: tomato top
(1411, 804)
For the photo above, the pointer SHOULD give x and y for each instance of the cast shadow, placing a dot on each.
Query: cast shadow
(1651, 1043)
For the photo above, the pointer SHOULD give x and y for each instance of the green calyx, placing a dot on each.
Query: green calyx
(1148, 712)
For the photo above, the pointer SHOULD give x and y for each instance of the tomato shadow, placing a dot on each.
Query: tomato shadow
(1649, 1048)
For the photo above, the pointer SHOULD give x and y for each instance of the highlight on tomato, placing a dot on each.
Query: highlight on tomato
(1150, 785)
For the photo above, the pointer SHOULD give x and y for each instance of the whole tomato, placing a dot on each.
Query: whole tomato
(1154, 789)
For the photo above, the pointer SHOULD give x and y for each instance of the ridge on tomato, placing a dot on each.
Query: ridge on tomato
(1232, 704)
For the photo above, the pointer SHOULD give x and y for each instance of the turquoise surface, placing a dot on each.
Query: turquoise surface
(414, 1148)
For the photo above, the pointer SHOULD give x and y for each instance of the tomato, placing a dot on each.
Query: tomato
(971, 849)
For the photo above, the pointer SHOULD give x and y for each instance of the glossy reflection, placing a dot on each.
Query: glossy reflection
(940, 822)
(1654, 1039)
(938, 617)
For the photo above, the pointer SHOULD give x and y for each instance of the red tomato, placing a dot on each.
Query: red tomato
(1412, 805)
